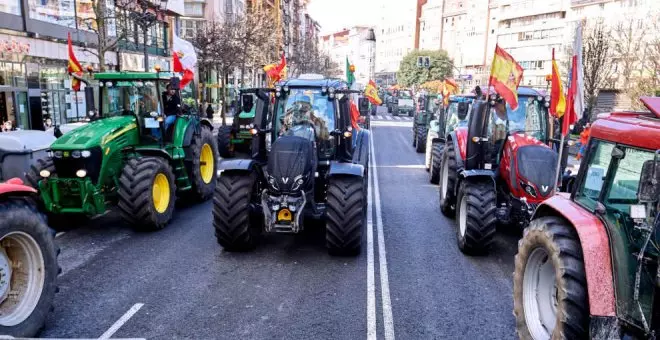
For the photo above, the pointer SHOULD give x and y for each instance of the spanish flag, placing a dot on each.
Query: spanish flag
(74, 67)
(276, 72)
(505, 76)
(557, 98)
(451, 86)
(371, 93)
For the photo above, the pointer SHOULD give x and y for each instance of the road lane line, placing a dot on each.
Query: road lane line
(388, 319)
(388, 117)
(371, 282)
(127, 316)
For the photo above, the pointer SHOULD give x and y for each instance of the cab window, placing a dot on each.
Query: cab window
(599, 161)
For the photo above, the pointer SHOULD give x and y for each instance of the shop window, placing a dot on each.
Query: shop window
(59, 12)
(11, 7)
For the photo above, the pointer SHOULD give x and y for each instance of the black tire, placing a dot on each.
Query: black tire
(436, 160)
(389, 109)
(345, 215)
(136, 201)
(414, 138)
(202, 187)
(18, 216)
(561, 244)
(236, 228)
(447, 192)
(59, 222)
(225, 147)
(410, 113)
(421, 139)
(477, 225)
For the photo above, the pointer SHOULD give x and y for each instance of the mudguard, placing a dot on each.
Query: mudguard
(361, 150)
(154, 152)
(236, 165)
(15, 187)
(595, 247)
(206, 122)
(337, 168)
(474, 175)
(459, 158)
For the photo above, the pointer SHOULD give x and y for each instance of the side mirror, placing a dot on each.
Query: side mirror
(247, 102)
(89, 99)
(462, 110)
(363, 106)
(649, 184)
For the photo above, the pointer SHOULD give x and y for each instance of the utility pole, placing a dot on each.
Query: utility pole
(371, 41)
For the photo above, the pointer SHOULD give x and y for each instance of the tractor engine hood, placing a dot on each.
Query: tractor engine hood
(535, 165)
(291, 165)
(96, 133)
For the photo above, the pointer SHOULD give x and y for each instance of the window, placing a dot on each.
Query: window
(598, 163)
(11, 7)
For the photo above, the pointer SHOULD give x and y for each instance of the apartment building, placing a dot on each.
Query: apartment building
(395, 34)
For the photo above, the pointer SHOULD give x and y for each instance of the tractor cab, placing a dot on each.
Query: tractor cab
(237, 138)
(606, 231)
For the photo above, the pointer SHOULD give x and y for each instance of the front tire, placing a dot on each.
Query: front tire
(203, 167)
(345, 215)
(25, 240)
(447, 180)
(236, 228)
(147, 193)
(225, 146)
(420, 139)
(477, 222)
(550, 297)
(436, 160)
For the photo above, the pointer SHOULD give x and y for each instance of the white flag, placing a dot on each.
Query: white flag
(186, 53)
(579, 104)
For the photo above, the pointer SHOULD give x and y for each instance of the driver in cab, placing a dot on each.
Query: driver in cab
(171, 105)
(303, 111)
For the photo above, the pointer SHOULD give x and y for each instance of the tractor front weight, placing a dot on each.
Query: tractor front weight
(71, 195)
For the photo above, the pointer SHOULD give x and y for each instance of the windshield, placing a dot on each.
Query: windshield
(528, 118)
(453, 120)
(129, 97)
(405, 95)
(306, 107)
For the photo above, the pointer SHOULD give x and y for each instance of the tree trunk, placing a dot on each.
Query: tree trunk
(221, 81)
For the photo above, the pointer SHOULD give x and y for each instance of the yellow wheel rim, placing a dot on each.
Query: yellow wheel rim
(206, 163)
(161, 193)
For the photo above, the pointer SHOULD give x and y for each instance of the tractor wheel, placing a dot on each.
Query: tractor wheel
(204, 164)
(346, 215)
(28, 267)
(389, 109)
(477, 222)
(59, 222)
(147, 193)
(421, 139)
(236, 227)
(225, 146)
(447, 180)
(436, 160)
(550, 298)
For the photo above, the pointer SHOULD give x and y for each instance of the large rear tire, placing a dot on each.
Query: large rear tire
(421, 139)
(436, 160)
(236, 228)
(203, 167)
(550, 297)
(147, 193)
(447, 180)
(477, 221)
(345, 215)
(225, 146)
(59, 222)
(27, 242)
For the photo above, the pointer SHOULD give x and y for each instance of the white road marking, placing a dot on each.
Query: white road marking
(388, 319)
(388, 117)
(127, 316)
(371, 286)
(406, 166)
(397, 118)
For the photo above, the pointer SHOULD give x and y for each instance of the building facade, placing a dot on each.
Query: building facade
(430, 28)
(349, 43)
(35, 89)
(395, 34)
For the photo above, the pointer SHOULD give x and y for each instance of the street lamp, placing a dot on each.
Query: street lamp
(147, 17)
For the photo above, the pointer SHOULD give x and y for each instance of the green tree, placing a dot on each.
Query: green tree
(441, 66)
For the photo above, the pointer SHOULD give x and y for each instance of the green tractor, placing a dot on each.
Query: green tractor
(238, 137)
(128, 155)
(427, 109)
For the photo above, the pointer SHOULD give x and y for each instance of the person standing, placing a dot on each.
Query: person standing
(171, 105)
(584, 139)
(209, 112)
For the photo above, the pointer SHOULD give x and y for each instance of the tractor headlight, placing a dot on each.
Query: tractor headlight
(547, 98)
(285, 88)
(58, 154)
(539, 98)
(278, 94)
(278, 88)
(273, 183)
(44, 173)
(50, 153)
(81, 173)
(297, 183)
(75, 154)
(528, 189)
(331, 90)
(324, 90)
(85, 153)
(547, 104)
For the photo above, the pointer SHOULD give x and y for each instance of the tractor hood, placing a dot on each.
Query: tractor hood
(95, 133)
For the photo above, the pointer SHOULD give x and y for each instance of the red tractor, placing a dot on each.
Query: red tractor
(587, 265)
(502, 170)
(28, 262)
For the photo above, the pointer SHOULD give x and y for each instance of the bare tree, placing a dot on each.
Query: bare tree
(109, 24)
(629, 46)
(256, 37)
(596, 60)
(205, 42)
(652, 63)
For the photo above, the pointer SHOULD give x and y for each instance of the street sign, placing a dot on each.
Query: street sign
(465, 76)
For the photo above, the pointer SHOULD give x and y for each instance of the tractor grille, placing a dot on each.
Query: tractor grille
(537, 164)
(66, 167)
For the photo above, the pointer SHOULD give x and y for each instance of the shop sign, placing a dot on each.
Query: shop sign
(11, 46)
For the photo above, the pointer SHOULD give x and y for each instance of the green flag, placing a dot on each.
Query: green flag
(350, 78)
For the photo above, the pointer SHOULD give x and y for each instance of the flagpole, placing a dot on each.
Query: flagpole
(557, 172)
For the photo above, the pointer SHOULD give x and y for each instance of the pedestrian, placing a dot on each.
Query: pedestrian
(209, 112)
(584, 139)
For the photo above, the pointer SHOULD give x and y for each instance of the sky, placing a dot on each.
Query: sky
(333, 15)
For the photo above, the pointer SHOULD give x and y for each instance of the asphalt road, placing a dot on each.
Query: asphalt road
(409, 282)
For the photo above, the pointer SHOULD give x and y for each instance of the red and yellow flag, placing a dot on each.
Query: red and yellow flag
(557, 98)
(371, 92)
(74, 67)
(505, 76)
(276, 72)
(451, 86)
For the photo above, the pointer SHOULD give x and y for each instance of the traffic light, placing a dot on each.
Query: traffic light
(420, 61)
(427, 62)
